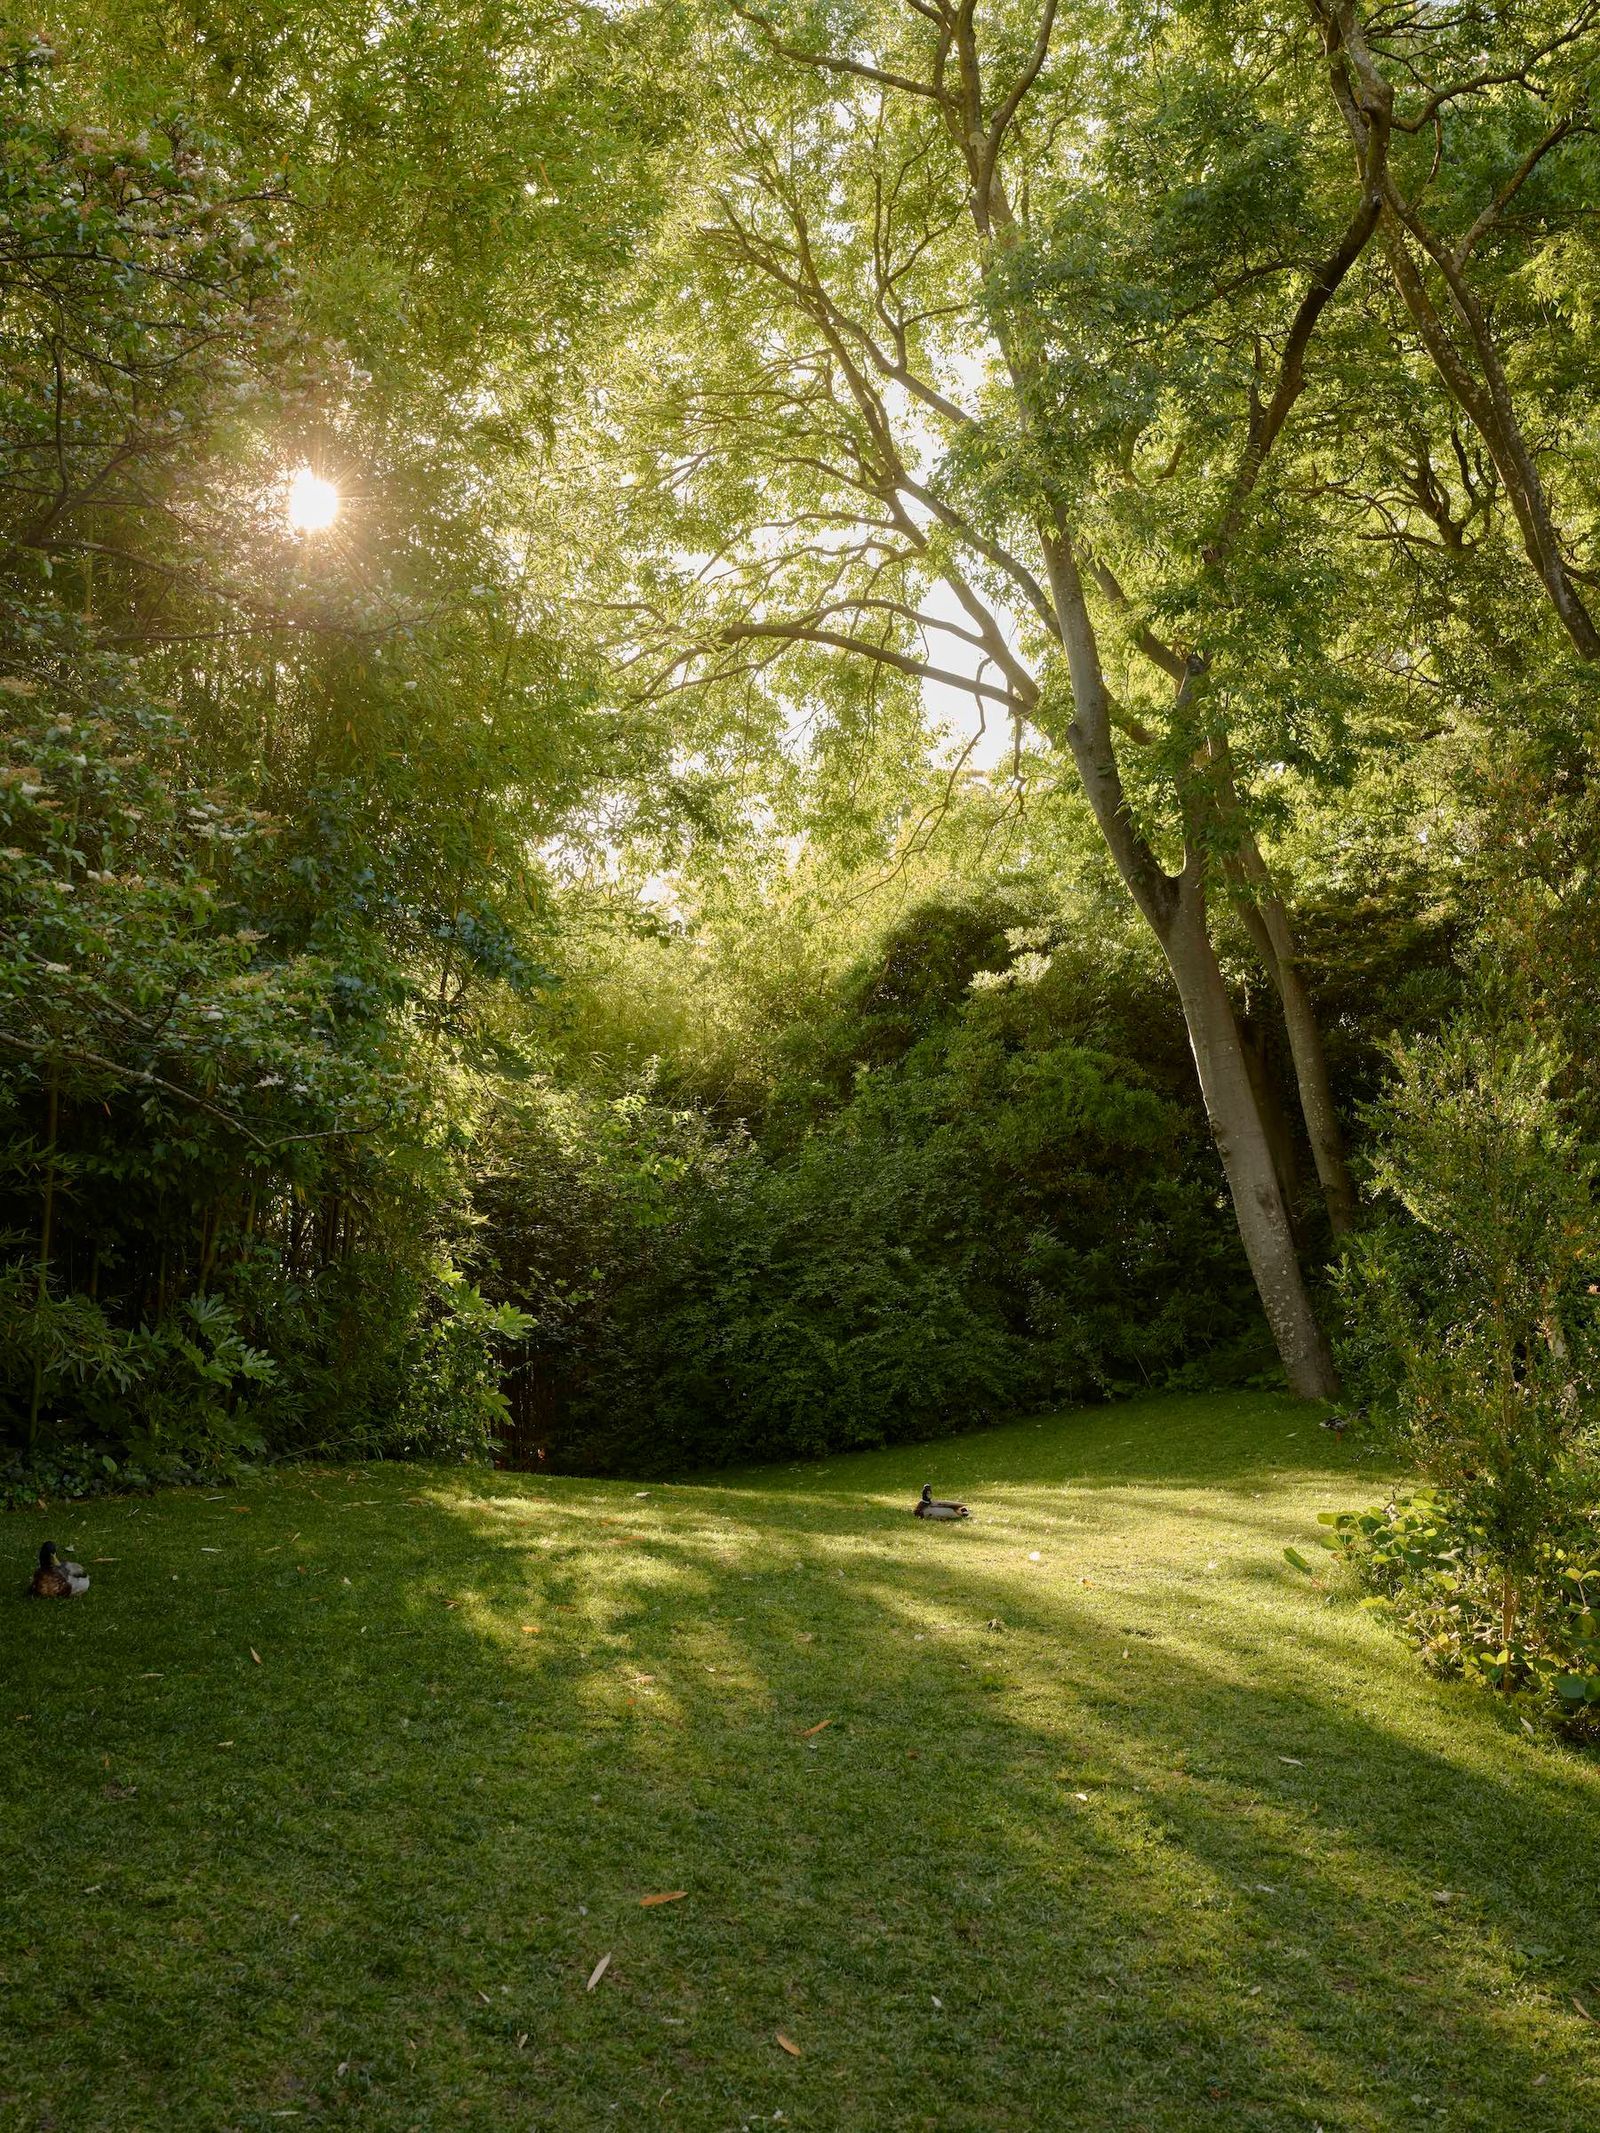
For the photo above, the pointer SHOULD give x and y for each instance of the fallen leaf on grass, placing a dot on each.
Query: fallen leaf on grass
(485, 1999)
(1298, 1764)
(255, 1655)
(671, 1896)
(1584, 2010)
(598, 1972)
(788, 2044)
(105, 1558)
(817, 1728)
(531, 1629)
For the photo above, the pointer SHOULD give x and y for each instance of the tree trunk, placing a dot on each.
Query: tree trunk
(1366, 98)
(1267, 923)
(1256, 1038)
(1175, 910)
(1242, 1143)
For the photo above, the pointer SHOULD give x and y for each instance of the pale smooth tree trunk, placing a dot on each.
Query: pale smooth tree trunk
(1175, 910)
(1267, 922)
(1243, 1144)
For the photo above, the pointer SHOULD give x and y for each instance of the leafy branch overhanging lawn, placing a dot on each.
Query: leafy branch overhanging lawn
(1182, 1843)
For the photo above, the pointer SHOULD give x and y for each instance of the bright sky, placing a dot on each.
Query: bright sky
(955, 708)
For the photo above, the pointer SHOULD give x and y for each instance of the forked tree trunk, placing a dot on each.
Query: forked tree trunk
(1265, 920)
(1175, 910)
(1275, 1117)
(1243, 1144)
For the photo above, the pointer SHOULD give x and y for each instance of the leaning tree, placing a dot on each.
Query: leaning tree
(1074, 357)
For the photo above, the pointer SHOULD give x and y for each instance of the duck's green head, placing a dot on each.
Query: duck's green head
(47, 1556)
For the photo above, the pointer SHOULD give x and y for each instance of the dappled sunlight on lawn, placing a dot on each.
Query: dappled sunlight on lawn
(1093, 1805)
(1228, 1801)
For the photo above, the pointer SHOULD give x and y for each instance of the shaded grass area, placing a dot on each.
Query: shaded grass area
(1182, 1842)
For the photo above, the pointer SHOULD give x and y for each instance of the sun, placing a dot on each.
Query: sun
(313, 502)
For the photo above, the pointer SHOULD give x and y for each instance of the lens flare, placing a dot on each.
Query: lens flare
(313, 503)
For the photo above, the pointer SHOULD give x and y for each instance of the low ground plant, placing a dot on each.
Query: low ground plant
(1424, 1559)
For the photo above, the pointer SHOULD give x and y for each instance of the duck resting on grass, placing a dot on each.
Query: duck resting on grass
(929, 1506)
(55, 1579)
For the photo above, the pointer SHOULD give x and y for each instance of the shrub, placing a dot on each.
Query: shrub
(996, 1215)
(1474, 1307)
(1422, 1556)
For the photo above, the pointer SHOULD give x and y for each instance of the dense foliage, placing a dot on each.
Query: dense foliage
(969, 1191)
(259, 875)
(560, 957)
(1422, 1557)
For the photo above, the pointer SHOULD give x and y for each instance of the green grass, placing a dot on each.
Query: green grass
(1167, 1850)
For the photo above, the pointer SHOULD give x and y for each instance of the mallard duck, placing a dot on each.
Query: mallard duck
(929, 1506)
(55, 1579)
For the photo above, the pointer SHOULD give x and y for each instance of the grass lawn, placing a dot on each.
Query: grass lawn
(1089, 1814)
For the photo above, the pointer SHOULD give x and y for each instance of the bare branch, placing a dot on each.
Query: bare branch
(1264, 430)
(885, 655)
(833, 62)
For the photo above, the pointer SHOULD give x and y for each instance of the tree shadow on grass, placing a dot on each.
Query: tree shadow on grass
(450, 1782)
(1304, 1887)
